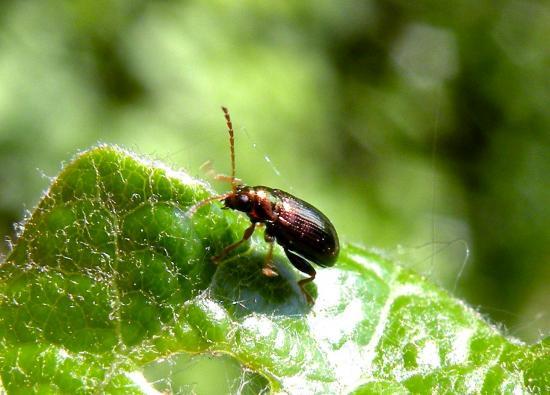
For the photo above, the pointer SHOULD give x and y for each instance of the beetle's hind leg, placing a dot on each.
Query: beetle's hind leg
(305, 267)
(268, 269)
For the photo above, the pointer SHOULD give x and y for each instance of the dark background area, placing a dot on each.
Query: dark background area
(422, 128)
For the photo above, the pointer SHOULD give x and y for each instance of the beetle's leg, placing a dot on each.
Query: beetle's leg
(208, 168)
(305, 267)
(247, 234)
(223, 177)
(268, 269)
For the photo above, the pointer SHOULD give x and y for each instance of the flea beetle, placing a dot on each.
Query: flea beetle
(306, 235)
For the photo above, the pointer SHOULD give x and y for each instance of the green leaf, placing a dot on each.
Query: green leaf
(110, 287)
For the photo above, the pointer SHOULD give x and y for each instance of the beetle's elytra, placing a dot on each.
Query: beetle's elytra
(306, 234)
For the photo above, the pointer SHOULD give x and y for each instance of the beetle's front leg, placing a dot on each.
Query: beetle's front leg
(247, 234)
(268, 269)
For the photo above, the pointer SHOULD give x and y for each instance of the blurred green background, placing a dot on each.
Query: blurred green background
(422, 128)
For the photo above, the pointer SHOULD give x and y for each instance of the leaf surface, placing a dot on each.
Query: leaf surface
(111, 287)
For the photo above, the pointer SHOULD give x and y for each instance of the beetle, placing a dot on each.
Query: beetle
(306, 235)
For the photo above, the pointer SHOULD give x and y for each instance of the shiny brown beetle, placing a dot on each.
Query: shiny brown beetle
(306, 235)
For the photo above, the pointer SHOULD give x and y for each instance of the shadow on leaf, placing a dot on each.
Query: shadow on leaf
(242, 288)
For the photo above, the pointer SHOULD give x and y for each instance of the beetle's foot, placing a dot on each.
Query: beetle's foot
(269, 271)
(309, 299)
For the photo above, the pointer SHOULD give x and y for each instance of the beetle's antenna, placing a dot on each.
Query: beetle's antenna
(231, 146)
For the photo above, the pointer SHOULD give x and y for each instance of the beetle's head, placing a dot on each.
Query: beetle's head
(240, 200)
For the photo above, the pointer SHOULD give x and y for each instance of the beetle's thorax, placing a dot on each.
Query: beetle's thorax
(258, 202)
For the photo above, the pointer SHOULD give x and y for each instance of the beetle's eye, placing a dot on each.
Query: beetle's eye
(243, 199)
